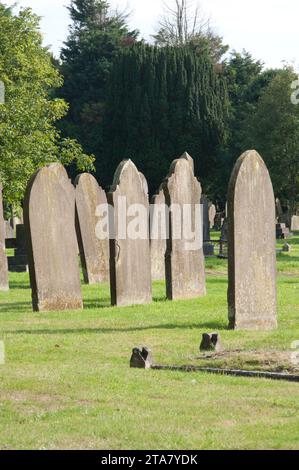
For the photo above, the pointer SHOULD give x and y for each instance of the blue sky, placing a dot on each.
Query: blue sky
(266, 28)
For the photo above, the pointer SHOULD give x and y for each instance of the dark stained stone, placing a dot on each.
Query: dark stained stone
(206, 221)
(141, 358)
(185, 270)
(49, 217)
(93, 246)
(158, 236)
(211, 342)
(251, 245)
(19, 262)
(3, 258)
(130, 259)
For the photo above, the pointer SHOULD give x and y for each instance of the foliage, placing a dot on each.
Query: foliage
(96, 36)
(28, 137)
(274, 130)
(162, 102)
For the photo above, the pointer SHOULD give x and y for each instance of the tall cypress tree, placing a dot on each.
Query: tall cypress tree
(164, 101)
(96, 35)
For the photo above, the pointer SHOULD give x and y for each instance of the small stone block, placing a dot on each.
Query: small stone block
(286, 248)
(211, 342)
(141, 358)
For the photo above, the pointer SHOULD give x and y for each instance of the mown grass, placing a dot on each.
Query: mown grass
(66, 382)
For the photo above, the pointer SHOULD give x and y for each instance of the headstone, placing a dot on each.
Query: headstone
(189, 159)
(3, 258)
(185, 270)
(224, 231)
(49, 216)
(210, 342)
(130, 259)
(282, 232)
(278, 208)
(295, 223)
(92, 239)
(206, 220)
(212, 215)
(9, 230)
(219, 218)
(223, 239)
(158, 236)
(19, 262)
(141, 358)
(251, 245)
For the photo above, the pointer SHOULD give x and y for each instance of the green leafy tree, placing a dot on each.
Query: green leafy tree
(28, 136)
(274, 131)
(246, 79)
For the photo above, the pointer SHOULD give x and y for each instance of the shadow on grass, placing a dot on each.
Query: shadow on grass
(168, 326)
(19, 285)
(15, 307)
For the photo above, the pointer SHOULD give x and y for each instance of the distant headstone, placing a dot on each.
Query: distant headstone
(251, 245)
(185, 270)
(4, 286)
(93, 241)
(206, 220)
(130, 259)
(49, 216)
(9, 231)
(212, 215)
(295, 223)
(282, 232)
(19, 262)
(278, 208)
(224, 231)
(158, 236)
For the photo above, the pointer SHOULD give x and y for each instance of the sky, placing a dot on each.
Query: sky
(268, 29)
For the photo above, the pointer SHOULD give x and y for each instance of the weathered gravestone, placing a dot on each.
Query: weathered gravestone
(212, 215)
(130, 259)
(251, 245)
(9, 230)
(158, 236)
(206, 220)
(92, 234)
(185, 270)
(19, 262)
(295, 223)
(49, 216)
(3, 257)
(189, 159)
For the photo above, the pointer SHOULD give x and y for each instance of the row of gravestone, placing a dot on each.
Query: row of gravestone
(51, 202)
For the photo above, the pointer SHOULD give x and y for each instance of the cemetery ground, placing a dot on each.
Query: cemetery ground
(66, 382)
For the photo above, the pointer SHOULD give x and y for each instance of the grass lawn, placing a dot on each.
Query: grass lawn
(66, 383)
